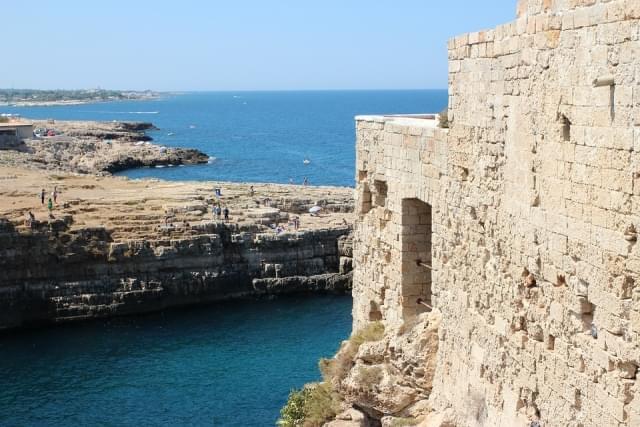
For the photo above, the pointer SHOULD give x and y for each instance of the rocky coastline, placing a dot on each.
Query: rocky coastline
(111, 246)
(94, 148)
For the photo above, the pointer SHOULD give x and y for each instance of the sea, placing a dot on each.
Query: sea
(230, 364)
(224, 364)
(255, 136)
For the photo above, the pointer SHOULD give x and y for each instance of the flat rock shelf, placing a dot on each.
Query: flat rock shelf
(111, 246)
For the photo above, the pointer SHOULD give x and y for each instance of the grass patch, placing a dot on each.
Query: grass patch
(443, 119)
(404, 422)
(338, 368)
(312, 406)
(369, 376)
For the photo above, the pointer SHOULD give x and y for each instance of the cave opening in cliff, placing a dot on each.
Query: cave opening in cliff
(417, 263)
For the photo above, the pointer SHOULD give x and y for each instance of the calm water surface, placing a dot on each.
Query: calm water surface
(221, 365)
(256, 136)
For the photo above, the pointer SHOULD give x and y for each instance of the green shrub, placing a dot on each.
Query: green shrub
(312, 406)
(322, 405)
(4, 119)
(292, 413)
(443, 118)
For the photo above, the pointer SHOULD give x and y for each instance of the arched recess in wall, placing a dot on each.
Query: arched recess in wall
(416, 271)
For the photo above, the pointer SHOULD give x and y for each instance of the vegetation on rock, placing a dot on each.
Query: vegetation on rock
(317, 403)
(336, 369)
(443, 119)
(311, 406)
(404, 422)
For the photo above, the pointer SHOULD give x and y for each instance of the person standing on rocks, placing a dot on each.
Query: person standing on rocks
(31, 219)
(50, 206)
(42, 194)
(226, 214)
(54, 194)
(252, 191)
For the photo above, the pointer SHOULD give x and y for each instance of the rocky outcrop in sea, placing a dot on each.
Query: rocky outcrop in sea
(94, 148)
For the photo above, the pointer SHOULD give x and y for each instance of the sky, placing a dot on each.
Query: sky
(187, 45)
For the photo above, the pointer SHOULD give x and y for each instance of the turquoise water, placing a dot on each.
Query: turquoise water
(256, 136)
(229, 364)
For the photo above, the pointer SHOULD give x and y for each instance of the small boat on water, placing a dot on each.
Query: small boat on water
(306, 161)
(170, 134)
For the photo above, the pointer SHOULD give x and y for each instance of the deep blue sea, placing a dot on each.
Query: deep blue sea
(229, 364)
(256, 136)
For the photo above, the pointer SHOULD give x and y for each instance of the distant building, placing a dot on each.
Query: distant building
(19, 130)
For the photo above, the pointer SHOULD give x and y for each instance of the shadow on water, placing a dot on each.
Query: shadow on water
(229, 363)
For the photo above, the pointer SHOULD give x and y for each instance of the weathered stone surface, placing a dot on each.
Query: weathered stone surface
(517, 224)
(112, 246)
(96, 147)
(350, 418)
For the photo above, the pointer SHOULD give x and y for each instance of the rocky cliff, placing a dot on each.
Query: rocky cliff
(51, 276)
(107, 251)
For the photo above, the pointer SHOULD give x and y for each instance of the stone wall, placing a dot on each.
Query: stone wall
(519, 223)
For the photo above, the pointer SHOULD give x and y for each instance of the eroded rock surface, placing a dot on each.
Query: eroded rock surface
(95, 148)
(114, 246)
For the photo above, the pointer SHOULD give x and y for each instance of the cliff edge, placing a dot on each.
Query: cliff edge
(110, 246)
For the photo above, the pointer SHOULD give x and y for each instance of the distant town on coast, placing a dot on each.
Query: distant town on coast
(35, 97)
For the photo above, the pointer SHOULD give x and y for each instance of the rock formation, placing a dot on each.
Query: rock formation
(115, 247)
(95, 148)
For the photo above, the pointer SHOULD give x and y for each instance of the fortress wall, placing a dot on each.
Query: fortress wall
(533, 199)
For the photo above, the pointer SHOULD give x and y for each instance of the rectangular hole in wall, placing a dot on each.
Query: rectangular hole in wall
(566, 128)
(365, 199)
(417, 264)
(380, 192)
(551, 342)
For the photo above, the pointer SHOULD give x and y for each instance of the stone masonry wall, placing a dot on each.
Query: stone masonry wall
(519, 223)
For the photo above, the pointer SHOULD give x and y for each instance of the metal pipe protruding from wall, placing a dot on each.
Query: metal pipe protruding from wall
(424, 264)
(604, 81)
(421, 302)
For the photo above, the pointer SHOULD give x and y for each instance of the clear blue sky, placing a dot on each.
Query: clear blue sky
(236, 44)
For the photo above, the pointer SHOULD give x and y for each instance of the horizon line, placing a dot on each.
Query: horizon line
(177, 91)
